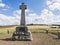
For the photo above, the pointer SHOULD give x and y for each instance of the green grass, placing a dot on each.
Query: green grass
(4, 30)
(54, 31)
(37, 30)
(11, 30)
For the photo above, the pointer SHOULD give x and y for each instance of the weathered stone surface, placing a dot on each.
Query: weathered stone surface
(22, 32)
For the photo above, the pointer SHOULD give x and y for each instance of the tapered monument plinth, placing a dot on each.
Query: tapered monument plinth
(22, 32)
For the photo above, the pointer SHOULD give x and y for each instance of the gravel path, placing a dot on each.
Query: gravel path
(38, 39)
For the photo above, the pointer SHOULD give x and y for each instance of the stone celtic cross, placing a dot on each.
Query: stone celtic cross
(23, 7)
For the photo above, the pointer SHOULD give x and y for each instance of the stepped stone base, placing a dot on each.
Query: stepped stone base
(22, 33)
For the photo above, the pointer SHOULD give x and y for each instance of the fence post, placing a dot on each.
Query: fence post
(47, 31)
(8, 31)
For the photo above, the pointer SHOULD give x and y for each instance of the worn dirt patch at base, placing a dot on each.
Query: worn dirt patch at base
(38, 39)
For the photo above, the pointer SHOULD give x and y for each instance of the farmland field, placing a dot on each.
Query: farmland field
(38, 38)
(31, 28)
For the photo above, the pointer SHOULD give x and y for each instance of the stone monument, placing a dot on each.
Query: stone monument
(22, 32)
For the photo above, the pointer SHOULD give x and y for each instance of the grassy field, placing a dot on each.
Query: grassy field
(5, 30)
(11, 30)
(38, 38)
(32, 29)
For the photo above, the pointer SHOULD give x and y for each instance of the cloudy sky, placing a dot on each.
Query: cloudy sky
(37, 12)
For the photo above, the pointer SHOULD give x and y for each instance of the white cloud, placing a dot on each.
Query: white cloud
(17, 12)
(48, 2)
(15, 19)
(8, 20)
(57, 1)
(2, 5)
(46, 17)
(32, 18)
(53, 4)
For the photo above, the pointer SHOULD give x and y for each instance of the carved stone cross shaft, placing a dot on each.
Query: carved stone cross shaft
(23, 7)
